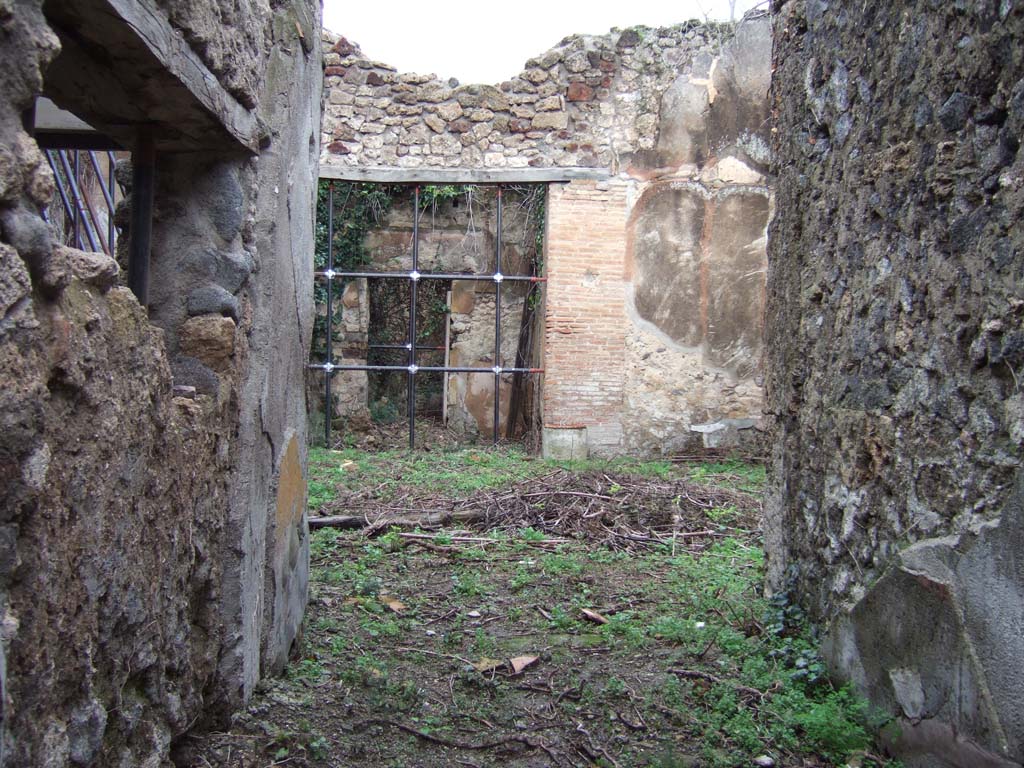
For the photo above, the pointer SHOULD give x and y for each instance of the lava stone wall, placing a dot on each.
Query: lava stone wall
(152, 495)
(896, 337)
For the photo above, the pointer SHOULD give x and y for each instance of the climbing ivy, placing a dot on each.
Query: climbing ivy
(358, 208)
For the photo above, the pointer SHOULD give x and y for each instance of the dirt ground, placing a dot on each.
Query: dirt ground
(547, 615)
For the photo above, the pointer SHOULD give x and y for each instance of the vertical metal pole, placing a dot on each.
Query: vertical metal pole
(110, 202)
(59, 180)
(328, 408)
(80, 218)
(107, 188)
(143, 184)
(414, 277)
(497, 323)
(76, 184)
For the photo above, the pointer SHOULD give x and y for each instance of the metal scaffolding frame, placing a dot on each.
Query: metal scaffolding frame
(79, 208)
(414, 276)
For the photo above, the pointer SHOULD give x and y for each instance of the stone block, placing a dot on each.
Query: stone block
(579, 92)
(550, 121)
(937, 640)
(435, 123)
(463, 296)
(212, 300)
(210, 339)
(92, 267)
(577, 62)
(450, 111)
(564, 443)
(230, 269)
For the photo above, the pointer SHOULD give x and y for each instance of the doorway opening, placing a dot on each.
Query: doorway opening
(429, 305)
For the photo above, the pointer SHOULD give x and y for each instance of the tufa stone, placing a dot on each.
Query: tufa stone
(9, 176)
(91, 267)
(577, 62)
(450, 111)
(550, 120)
(550, 104)
(435, 123)
(210, 339)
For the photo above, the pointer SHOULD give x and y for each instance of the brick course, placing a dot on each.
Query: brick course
(586, 306)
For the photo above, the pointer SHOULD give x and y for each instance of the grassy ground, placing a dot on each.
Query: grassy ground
(576, 640)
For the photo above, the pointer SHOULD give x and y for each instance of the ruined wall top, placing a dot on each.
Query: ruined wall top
(642, 99)
(228, 36)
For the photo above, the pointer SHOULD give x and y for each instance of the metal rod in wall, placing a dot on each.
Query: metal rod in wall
(141, 233)
(107, 188)
(93, 221)
(111, 178)
(78, 206)
(329, 363)
(419, 347)
(497, 322)
(425, 368)
(60, 183)
(78, 212)
(413, 283)
(111, 164)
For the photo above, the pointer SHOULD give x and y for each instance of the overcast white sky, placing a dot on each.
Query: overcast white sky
(488, 42)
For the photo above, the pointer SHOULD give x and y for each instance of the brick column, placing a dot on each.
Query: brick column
(585, 331)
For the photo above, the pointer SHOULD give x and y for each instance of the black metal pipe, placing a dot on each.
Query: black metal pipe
(328, 407)
(401, 346)
(108, 196)
(78, 204)
(498, 277)
(424, 368)
(437, 276)
(60, 184)
(141, 234)
(111, 232)
(107, 193)
(414, 282)
(76, 197)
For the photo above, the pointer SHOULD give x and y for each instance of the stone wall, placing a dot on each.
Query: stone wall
(653, 340)
(153, 556)
(895, 329)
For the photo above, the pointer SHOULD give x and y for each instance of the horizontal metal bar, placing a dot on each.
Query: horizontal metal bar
(422, 368)
(399, 346)
(461, 175)
(75, 140)
(494, 278)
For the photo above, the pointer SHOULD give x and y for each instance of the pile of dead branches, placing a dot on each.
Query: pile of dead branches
(619, 511)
